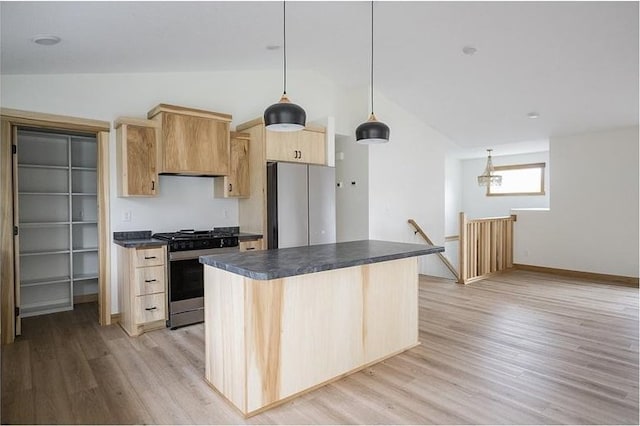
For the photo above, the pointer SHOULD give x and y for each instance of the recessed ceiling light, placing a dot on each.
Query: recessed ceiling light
(533, 115)
(45, 39)
(469, 50)
(273, 47)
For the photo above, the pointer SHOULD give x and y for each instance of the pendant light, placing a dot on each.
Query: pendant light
(372, 131)
(488, 178)
(285, 116)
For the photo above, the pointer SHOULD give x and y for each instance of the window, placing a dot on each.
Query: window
(520, 179)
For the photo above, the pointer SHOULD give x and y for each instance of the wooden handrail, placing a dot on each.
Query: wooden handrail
(486, 246)
(486, 219)
(446, 262)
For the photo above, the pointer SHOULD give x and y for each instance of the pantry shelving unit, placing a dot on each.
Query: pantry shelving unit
(57, 220)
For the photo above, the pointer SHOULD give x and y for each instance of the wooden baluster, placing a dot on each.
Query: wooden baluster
(462, 248)
(487, 247)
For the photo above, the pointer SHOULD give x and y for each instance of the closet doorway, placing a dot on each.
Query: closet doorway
(55, 227)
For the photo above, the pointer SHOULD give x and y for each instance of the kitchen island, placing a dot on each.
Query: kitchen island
(279, 323)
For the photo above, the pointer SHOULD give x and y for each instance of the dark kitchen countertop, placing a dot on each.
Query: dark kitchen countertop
(235, 231)
(247, 236)
(280, 263)
(136, 239)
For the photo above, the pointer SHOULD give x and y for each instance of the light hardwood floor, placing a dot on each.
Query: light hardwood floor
(522, 347)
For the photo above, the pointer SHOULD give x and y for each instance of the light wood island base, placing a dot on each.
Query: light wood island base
(268, 341)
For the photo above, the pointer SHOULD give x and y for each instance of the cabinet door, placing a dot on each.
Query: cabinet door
(137, 148)
(305, 146)
(195, 145)
(283, 146)
(238, 180)
(312, 147)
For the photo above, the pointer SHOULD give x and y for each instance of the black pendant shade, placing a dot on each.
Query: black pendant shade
(372, 131)
(285, 116)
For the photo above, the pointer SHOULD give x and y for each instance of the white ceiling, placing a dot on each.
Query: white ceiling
(576, 63)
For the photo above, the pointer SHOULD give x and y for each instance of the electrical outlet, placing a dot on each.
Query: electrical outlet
(126, 216)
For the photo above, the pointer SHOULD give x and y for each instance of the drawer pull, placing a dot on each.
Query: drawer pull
(150, 281)
(149, 257)
(250, 248)
(153, 308)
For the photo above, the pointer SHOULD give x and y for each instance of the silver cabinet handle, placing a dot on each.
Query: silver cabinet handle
(153, 308)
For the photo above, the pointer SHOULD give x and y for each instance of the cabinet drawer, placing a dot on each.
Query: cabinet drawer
(251, 245)
(150, 257)
(149, 280)
(150, 308)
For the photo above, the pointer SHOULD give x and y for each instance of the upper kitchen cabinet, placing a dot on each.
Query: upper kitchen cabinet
(306, 146)
(136, 157)
(237, 184)
(193, 141)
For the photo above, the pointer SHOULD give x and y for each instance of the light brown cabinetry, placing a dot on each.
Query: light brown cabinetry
(306, 146)
(251, 245)
(136, 157)
(236, 185)
(193, 142)
(142, 288)
(274, 146)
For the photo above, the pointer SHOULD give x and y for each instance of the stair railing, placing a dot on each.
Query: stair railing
(485, 247)
(446, 262)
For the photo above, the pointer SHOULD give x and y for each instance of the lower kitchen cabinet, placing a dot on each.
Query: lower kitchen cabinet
(142, 288)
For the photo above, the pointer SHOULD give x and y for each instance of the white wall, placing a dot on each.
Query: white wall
(592, 224)
(475, 202)
(184, 202)
(352, 201)
(406, 181)
(452, 205)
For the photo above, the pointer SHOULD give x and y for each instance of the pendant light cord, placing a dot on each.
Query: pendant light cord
(284, 36)
(371, 57)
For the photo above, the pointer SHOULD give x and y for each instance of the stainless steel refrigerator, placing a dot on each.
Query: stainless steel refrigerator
(301, 205)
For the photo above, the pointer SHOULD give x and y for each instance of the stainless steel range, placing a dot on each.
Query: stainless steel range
(186, 276)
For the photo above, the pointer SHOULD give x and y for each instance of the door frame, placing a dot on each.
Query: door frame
(9, 119)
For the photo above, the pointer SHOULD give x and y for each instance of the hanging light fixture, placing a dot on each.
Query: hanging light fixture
(284, 116)
(372, 130)
(488, 178)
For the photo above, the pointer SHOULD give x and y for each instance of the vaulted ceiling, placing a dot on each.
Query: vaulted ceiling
(574, 63)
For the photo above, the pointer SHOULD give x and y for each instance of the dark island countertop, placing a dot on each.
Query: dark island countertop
(280, 263)
(136, 239)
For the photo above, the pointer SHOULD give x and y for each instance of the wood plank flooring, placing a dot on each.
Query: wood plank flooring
(520, 348)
